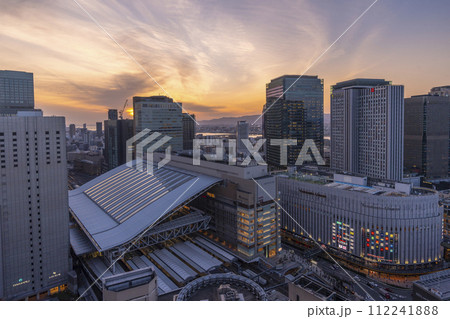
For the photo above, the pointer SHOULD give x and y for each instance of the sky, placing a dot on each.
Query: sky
(215, 56)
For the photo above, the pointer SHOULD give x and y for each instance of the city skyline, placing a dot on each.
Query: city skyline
(216, 64)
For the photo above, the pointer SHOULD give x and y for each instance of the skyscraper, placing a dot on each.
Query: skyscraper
(85, 134)
(297, 114)
(99, 130)
(427, 134)
(117, 132)
(159, 114)
(242, 129)
(367, 128)
(188, 131)
(112, 114)
(16, 92)
(72, 130)
(34, 206)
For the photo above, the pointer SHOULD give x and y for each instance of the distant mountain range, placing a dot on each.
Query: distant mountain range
(231, 121)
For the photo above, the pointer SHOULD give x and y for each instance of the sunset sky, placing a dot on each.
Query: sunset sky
(216, 56)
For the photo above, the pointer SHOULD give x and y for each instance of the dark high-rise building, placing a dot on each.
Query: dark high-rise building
(85, 134)
(16, 91)
(34, 223)
(367, 128)
(113, 114)
(242, 129)
(297, 114)
(99, 129)
(188, 131)
(117, 132)
(427, 135)
(72, 130)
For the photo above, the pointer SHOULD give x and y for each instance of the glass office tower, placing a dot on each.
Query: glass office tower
(297, 114)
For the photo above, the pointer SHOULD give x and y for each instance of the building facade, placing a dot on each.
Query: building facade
(117, 132)
(393, 228)
(16, 92)
(99, 129)
(159, 114)
(244, 214)
(113, 114)
(188, 131)
(427, 127)
(137, 285)
(297, 114)
(72, 130)
(242, 130)
(441, 90)
(367, 128)
(34, 224)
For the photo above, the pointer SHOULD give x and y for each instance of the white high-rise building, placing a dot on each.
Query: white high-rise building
(34, 218)
(367, 125)
(159, 114)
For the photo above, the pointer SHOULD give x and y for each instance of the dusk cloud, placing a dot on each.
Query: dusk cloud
(215, 56)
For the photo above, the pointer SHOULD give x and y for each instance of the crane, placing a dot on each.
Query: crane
(123, 109)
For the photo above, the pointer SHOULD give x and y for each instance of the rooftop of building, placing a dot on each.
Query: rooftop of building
(175, 263)
(127, 280)
(316, 286)
(11, 73)
(350, 182)
(437, 283)
(117, 206)
(222, 287)
(216, 168)
(437, 88)
(360, 82)
(154, 98)
(296, 76)
(435, 95)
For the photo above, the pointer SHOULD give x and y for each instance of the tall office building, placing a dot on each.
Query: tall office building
(99, 129)
(16, 92)
(367, 128)
(72, 130)
(188, 131)
(113, 114)
(117, 132)
(34, 220)
(159, 114)
(298, 114)
(427, 135)
(242, 130)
